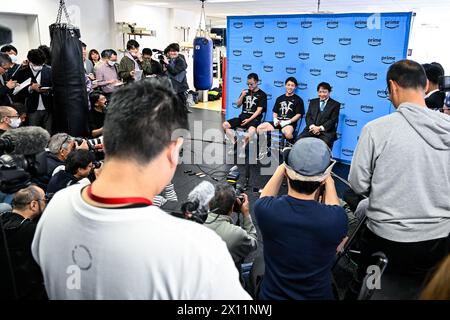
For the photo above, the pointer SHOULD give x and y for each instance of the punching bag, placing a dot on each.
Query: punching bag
(71, 108)
(203, 63)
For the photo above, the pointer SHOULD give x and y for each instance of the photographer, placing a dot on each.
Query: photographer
(96, 116)
(301, 235)
(78, 166)
(151, 67)
(240, 241)
(19, 226)
(59, 148)
(176, 66)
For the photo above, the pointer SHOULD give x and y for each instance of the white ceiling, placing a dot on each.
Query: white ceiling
(301, 6)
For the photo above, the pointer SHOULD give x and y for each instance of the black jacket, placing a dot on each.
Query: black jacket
(436, 100)
(60, 181)
(4, 93)
(177, 74)
(31, 100)
(19, 235)
(328, 118)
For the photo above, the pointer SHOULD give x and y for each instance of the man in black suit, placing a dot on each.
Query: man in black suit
(37, 97)
(434, 98)
(322, 116)
(6, 87)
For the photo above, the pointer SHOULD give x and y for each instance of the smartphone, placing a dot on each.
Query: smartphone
(45, 88)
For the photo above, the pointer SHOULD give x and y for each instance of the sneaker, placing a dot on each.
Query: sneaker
(242, 154)
(261, 156)
(230, 151)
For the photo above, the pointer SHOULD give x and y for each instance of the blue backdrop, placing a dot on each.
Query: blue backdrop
(350, 51)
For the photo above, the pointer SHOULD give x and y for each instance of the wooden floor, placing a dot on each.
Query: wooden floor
(210, 105)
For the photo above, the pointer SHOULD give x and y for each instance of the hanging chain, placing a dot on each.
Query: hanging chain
(62, 7)
(202, 18)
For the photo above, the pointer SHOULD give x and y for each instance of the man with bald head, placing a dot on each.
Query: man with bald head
(9, 119)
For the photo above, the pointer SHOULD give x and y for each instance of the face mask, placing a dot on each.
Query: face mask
(35, 68)
(111, 63)
(15, 123)
(13, 58)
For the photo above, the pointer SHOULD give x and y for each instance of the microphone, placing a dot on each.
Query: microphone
(24, 140)
(202, 194)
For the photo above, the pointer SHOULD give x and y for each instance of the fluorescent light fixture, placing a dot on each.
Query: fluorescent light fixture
(224, 1)
(156, 4)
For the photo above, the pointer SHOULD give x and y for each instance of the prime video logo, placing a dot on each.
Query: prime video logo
(306, 24)
(237, 79)
(345, 41)
(392, 24)
(367, 108)
(388, 59)
(237, 53)
(347, 152)
(282, 24)
(257, 53)
(247, 67)
(342, 74)
(292, 40)
(371, 76)
(303, 55)
(302, 86)
(332, 24)
(238, 25)
(280, 54)
(354, 91)
(351, 122)
(278, 83)
(291, 70)
(269, 39)
(382, 94)
(268, 68)
(374, 42)
(248, 39)
(317, 40)
(357, 58)
(329, 56)
(315, 72)
(259, 24)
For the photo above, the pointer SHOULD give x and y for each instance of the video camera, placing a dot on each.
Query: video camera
(160, 55)
(25, 157)
(232, 178)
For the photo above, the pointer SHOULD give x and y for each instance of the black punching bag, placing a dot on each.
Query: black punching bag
(69, 83)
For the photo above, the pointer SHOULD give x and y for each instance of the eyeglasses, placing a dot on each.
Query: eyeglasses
(251, 84)
(15, 116)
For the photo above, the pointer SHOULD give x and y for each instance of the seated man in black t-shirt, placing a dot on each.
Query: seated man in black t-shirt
(96, 114)
(288, 109)
(254, 102)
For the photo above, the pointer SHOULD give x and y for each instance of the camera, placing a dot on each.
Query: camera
(160, 55)
(16, 171)
(232, 178)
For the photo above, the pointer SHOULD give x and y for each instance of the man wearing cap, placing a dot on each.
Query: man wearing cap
(301, 230)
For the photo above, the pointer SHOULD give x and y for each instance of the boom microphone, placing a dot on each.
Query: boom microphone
(202, 194)
(25, 140)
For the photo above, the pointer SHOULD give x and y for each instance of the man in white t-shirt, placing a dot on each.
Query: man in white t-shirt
(107, 240)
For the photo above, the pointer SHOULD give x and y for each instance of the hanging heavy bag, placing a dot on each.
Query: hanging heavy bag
(69, 82)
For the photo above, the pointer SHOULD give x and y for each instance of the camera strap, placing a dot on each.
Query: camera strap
(117, 201)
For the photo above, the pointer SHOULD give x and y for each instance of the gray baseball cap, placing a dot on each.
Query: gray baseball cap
(308, 160)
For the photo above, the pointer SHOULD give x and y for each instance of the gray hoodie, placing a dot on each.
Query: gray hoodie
(402, 161)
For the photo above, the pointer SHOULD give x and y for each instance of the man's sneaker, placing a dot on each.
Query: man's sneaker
(230, 151)
(242, 154)
(261, 156)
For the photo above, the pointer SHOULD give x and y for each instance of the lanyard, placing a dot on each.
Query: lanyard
(124, 200)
